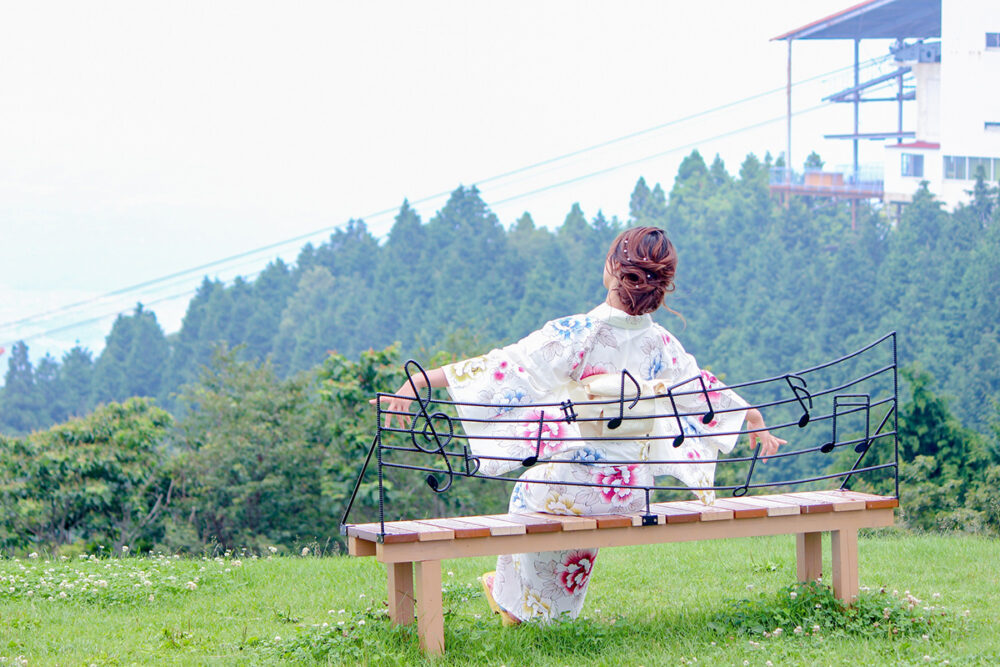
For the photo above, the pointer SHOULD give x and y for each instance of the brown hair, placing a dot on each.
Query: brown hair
(644, 261)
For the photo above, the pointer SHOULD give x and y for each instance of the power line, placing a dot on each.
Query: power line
(330, 228)
(653, 156)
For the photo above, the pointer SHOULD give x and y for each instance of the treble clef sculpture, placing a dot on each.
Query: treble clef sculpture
(429, 433)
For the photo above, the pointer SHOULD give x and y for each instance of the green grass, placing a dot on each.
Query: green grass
(657, 605)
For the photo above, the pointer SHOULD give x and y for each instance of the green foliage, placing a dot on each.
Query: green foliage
(97, 479)
(249, 450)
(106, 582)
(809, 609)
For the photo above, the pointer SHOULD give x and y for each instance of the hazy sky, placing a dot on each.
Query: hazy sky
(142, 139)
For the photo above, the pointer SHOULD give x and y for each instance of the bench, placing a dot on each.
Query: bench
(413, 550)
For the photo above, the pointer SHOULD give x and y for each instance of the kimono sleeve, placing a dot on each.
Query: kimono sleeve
(702, 441)
(501, 383)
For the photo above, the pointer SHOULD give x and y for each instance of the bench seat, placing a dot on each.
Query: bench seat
(413, 550)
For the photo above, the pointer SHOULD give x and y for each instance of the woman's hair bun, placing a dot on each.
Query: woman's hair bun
(644, 261)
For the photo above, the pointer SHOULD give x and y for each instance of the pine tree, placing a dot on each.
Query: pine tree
(75, 379)
(22, 404)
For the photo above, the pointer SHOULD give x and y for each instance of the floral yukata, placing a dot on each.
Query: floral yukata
(580, 358)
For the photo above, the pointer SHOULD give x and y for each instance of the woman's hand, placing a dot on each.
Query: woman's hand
(769, 444)
(404, 396)
(399, 403)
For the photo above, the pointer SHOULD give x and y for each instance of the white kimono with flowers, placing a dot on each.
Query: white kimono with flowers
(580, 358)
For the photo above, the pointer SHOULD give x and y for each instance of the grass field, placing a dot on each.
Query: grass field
(656, 605)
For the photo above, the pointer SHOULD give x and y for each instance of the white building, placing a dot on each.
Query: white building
(950, 51)
(958, 110)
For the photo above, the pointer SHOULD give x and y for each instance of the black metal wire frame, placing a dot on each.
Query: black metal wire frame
(432, 432)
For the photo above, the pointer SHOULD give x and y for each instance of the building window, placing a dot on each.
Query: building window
(993, 40)
(913, 165)
(977, 163)
(954, 166)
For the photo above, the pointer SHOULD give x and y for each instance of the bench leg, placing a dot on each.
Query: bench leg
(809, 556)
(400, 585)
(845, 564)
(430, 611)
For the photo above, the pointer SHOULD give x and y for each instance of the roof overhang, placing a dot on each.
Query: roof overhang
(875, 19)
(917, 145)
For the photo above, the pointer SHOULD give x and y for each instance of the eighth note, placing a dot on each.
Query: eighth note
(615, 422)
(532, 460)
(799, 390)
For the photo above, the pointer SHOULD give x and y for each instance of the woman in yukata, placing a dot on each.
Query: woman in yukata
(580, 358)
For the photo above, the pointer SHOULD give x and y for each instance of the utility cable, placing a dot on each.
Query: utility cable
(330, 228)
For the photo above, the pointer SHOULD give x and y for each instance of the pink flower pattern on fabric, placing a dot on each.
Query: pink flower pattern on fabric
(710, 382)
(617, 480)
(552, 432)
(575, 569)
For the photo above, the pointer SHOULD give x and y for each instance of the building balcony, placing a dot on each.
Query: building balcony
(866, 183)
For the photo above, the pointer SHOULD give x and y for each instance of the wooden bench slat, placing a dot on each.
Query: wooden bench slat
(705, 512)
(872, 501)
(370, 531)
(425, 533)
(569, 522)
(806, 505)
(533, 524)
(672, 514)
(740, 509)
(612, 520)
(463, 529)
(841, 503)
(773, 507)
(497, 525)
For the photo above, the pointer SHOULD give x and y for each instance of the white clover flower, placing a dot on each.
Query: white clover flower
(793, 595)
(190, 585)
(125, 549)
(361, 622)
(936, 596)
(325, 625)
(927, 658)
(277, 638)
(273, 550)
(340, 622)
(769, 663)
(925, 636)
(33, 554)
(237, 563)
(62, 594)
(151, 597)
(798, 630)
(777, 632)
(305, 551)
(815, 628)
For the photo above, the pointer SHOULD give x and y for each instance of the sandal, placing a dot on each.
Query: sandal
(506, 618)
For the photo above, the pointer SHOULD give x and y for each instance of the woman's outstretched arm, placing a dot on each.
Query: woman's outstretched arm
(758, 429)
(398, 403)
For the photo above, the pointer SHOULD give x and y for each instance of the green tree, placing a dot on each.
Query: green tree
(22, 404)
(97, 479)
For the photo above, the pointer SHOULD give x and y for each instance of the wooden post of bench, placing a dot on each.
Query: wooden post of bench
(400, 590)
(809, 556)
(430, 610)
(844, 545)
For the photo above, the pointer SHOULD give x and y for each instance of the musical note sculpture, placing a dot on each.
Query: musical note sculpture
(442, 452)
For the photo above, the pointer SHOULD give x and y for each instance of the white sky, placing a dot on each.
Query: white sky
(141, 139)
